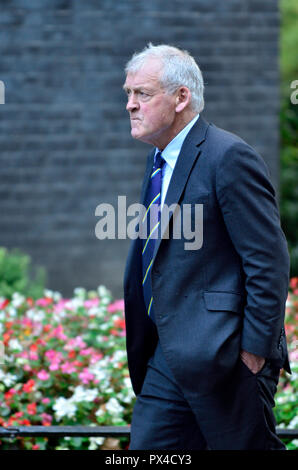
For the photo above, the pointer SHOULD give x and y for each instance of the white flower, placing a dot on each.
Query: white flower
(97, 311)
(99, 374)
(119, 356)
(15, 345)
(56, 296)
(2, 315)
(7, 379)
(64, 407)
(82, 394)
(294, 422)
(80, 292)
(127, 382)
(99, 412)
(103, 291)
(12, 312)
(17, 299)
(114, 407)
(104, 326)
(95, 442)
(35, 315)
(20, 361)
(76, 303)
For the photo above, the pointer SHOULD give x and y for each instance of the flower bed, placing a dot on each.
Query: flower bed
(286, 398)
(65, 364)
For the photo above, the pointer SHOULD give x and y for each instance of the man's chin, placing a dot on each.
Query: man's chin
(136, 134)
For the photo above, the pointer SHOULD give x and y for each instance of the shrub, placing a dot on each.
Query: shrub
(16, 275)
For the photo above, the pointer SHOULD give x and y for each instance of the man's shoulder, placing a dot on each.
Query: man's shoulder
(223, 138)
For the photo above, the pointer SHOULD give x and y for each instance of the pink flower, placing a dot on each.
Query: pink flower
(86, 352)
(58, 333)
(44, 301)
(45, 400)
(116, 306)
(60, 305)
(68, 368)
(96, 357)
(86, 376)
(46, 419)
(91, 303)
(75, 343)
(33, 356)
(43, 375)
(53, 355)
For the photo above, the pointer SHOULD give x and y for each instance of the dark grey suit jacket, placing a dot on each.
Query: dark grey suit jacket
(226, 296)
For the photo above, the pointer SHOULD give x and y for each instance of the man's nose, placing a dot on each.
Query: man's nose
(132, 103)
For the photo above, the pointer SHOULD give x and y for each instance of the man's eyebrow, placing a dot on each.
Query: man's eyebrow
(137, 88)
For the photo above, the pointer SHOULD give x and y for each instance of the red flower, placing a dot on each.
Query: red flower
(30, 301)
(28, 386)
(10, 393)
(35, 447)
(72, 354)
(25, 422)
(31, 408)
(120, 323)
(294, 283)
(4, 304)
(6, 338)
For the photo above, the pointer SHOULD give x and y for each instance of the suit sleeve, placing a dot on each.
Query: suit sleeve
(247, 200)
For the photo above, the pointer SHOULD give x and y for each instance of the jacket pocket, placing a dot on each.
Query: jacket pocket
(227, 301)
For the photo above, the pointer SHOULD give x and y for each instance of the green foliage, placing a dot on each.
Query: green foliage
(289, 37)
(289, 178)
(289, 129)
(16, 275)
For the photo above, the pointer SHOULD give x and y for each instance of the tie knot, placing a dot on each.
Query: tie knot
(159, 161)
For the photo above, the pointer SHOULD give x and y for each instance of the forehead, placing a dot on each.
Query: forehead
(148, 74)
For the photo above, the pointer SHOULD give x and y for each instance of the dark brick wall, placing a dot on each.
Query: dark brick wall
(65, 142)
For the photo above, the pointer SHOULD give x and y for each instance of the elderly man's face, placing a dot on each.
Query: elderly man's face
(151, 109)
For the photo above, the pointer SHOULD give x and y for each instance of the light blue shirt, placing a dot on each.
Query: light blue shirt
(170, 155)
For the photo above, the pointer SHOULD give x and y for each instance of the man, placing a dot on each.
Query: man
(205, 335)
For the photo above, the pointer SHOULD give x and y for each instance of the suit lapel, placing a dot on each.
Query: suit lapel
(147, 174)
(189, 153)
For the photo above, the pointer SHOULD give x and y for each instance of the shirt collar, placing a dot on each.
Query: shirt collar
(172, 150)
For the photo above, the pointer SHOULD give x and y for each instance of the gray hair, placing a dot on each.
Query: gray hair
(179, 69)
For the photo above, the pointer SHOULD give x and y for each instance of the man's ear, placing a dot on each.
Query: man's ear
(183, 98)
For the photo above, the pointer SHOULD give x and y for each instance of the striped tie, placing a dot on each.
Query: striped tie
(151, 222)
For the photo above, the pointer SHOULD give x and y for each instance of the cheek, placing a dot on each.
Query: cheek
(158, 116)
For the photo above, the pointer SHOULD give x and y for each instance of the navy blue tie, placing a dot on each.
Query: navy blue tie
(151, 224)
